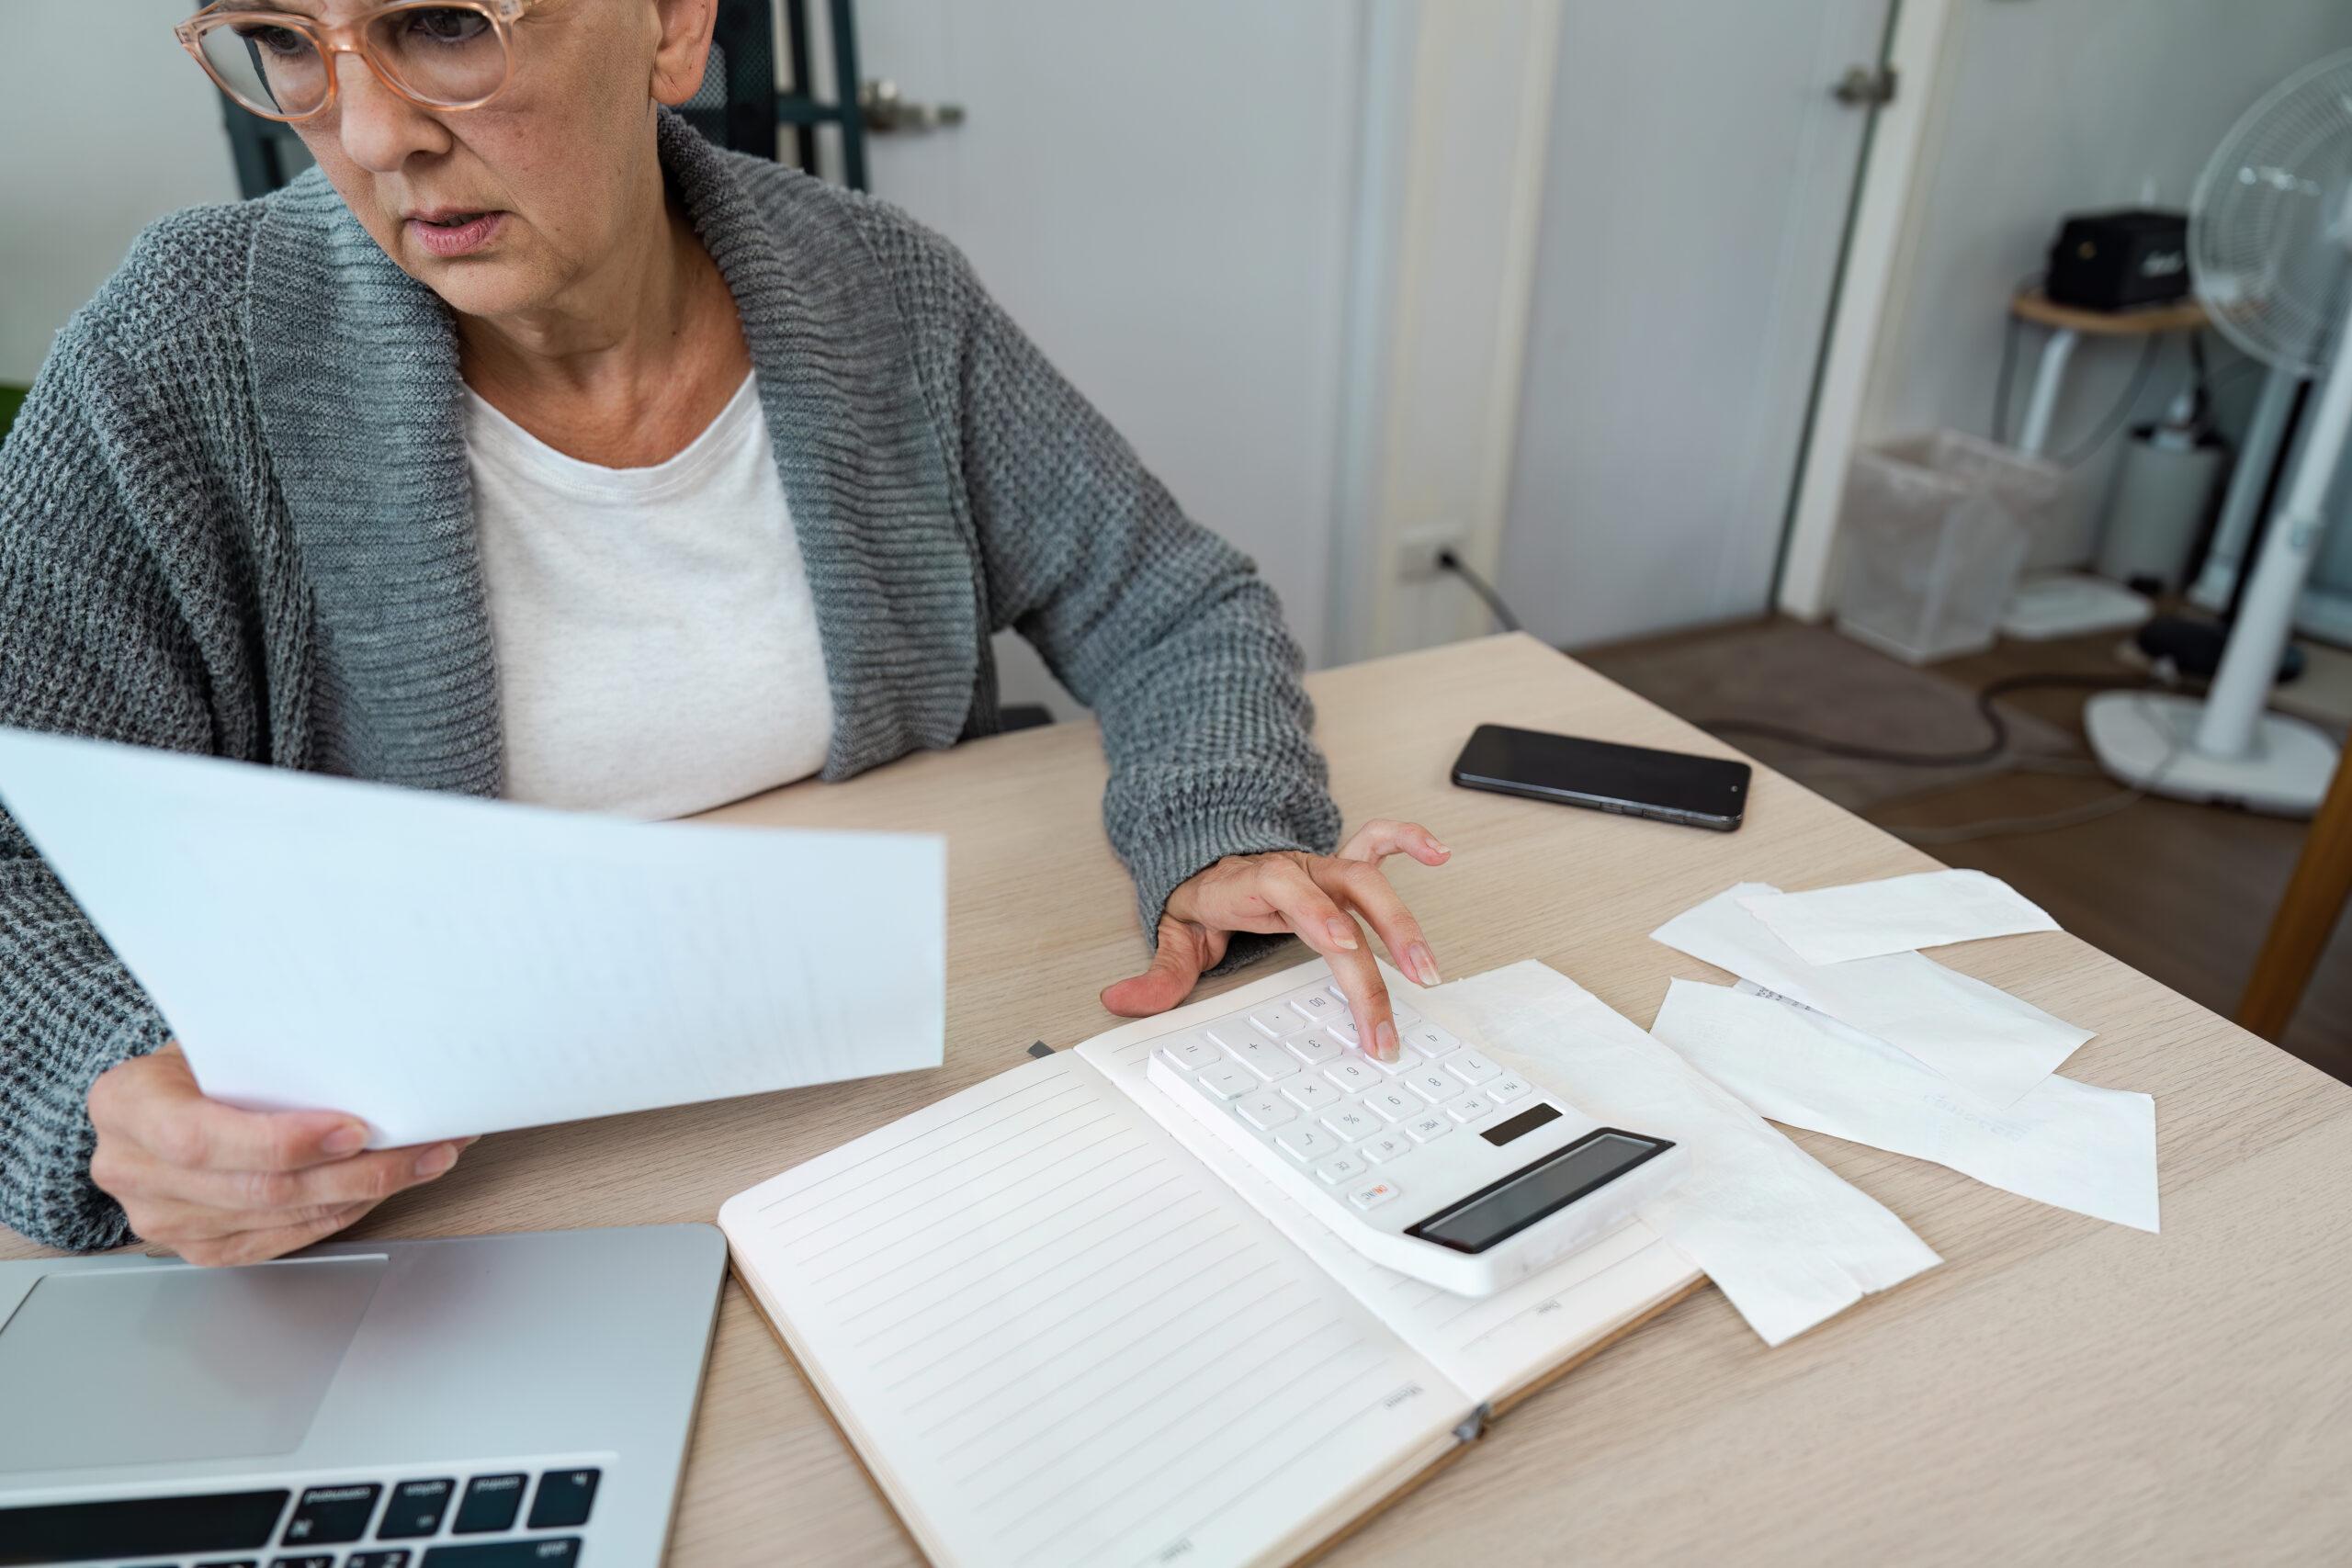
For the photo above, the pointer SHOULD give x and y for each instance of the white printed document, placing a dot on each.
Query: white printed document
(441, 965)
(2065, 1144)
(1983, 1039)
(1896, 914)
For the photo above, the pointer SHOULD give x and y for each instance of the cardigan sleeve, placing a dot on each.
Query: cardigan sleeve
(1161, 627)
(92, 645)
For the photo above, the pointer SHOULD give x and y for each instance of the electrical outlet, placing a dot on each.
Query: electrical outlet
(1418, 551)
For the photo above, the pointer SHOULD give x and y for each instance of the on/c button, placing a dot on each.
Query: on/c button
(1372, 1194)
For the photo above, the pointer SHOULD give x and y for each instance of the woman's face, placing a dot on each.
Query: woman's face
(499, 209)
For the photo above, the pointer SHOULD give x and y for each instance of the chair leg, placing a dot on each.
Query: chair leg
(2307, 916)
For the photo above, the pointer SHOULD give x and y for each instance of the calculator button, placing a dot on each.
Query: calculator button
(1266, 1059)
(1232, 1032)
(1390, 1069)
(1433, 1085)
(1342, 1028)
(1353, 1074)
(1309, 1092)
(1351, 1121)
(1318, 1007)
(1470, 1066)
(1262, 1110)
(1422, 1129)
(1470, 1107)
(1190, 1054)
(1429, 1039)
(1393, 1103)
(1226, 1080)
(1277, 1019)
(1507, 1087)
(1388, 1146)
(1372, 1194)
(1331, 1172)
(1313, 1046)
(1306, 1145)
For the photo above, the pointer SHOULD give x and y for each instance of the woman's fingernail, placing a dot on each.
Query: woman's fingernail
(1424, 965)
(1385, 1037)
(345, 1139)
(1343, 933)
(436, 1160)
(1438, 849)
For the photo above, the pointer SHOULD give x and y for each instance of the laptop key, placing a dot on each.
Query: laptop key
(541, 1552)
(310, 1559)
(416, 1508)
(491, 1504)
(564, 1497)
(330, 1514)
(390, 1557)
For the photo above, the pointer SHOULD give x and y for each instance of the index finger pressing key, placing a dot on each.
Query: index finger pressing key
(1357, 978)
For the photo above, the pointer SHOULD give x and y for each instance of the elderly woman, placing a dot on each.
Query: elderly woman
(533, 447)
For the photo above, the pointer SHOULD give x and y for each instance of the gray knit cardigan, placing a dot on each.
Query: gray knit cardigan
(234, 519)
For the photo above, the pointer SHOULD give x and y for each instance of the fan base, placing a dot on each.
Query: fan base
(2147, 740)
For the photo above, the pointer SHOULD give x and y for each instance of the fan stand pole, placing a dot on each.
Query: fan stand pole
(2251, 661)
(2230, 748)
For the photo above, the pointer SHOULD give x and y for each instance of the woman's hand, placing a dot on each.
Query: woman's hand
(1318, 899)
(219, 1185)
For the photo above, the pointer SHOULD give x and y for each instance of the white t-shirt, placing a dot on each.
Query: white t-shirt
(656, 639)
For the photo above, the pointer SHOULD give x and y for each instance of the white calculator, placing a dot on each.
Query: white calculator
(1442, 1164)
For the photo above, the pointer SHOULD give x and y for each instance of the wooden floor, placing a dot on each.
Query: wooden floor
(2182, 893)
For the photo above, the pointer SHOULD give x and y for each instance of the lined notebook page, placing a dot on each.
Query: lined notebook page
(1487, 1346)
(1057, 1339)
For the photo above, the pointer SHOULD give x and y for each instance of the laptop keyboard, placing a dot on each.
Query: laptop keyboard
(497, 1519)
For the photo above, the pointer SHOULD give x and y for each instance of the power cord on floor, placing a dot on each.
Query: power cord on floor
(1992, 751)
(1449, 562)
(2049, 822)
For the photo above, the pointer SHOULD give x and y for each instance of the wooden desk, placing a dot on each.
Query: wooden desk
(2059, 1388)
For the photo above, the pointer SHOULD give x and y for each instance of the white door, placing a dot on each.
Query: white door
(1697, 187)
(1160, 196)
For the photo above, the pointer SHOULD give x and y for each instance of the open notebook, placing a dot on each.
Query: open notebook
(1063, 1324)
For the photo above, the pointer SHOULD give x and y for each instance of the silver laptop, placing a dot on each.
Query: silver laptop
(474, 1403)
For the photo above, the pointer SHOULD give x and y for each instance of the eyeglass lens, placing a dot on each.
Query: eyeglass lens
(449, 56)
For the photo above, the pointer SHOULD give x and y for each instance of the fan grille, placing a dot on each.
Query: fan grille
(2270, 225)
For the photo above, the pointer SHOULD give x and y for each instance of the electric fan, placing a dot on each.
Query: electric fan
(2270, 250)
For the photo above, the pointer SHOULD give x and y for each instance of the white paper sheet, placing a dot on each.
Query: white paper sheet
(439, 965)
(1983, 1039)
(2065, 1144)
(1897, 914)
(1788, 1242)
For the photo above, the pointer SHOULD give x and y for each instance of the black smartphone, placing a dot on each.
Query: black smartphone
(1632, 780)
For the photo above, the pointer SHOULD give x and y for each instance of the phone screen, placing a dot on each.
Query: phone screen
(1598, 772)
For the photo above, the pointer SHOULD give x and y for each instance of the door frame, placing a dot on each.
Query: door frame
(1869, 289)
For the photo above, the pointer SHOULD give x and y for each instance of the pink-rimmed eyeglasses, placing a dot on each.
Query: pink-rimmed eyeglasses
(439, 54)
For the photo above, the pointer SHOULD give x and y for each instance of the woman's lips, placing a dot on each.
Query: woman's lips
(446, 240)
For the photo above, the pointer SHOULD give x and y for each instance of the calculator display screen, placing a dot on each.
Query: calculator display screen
(1521, 1198)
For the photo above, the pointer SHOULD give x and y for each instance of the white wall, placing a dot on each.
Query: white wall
(93, 84)
(1450, 190)
(2045, 108)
